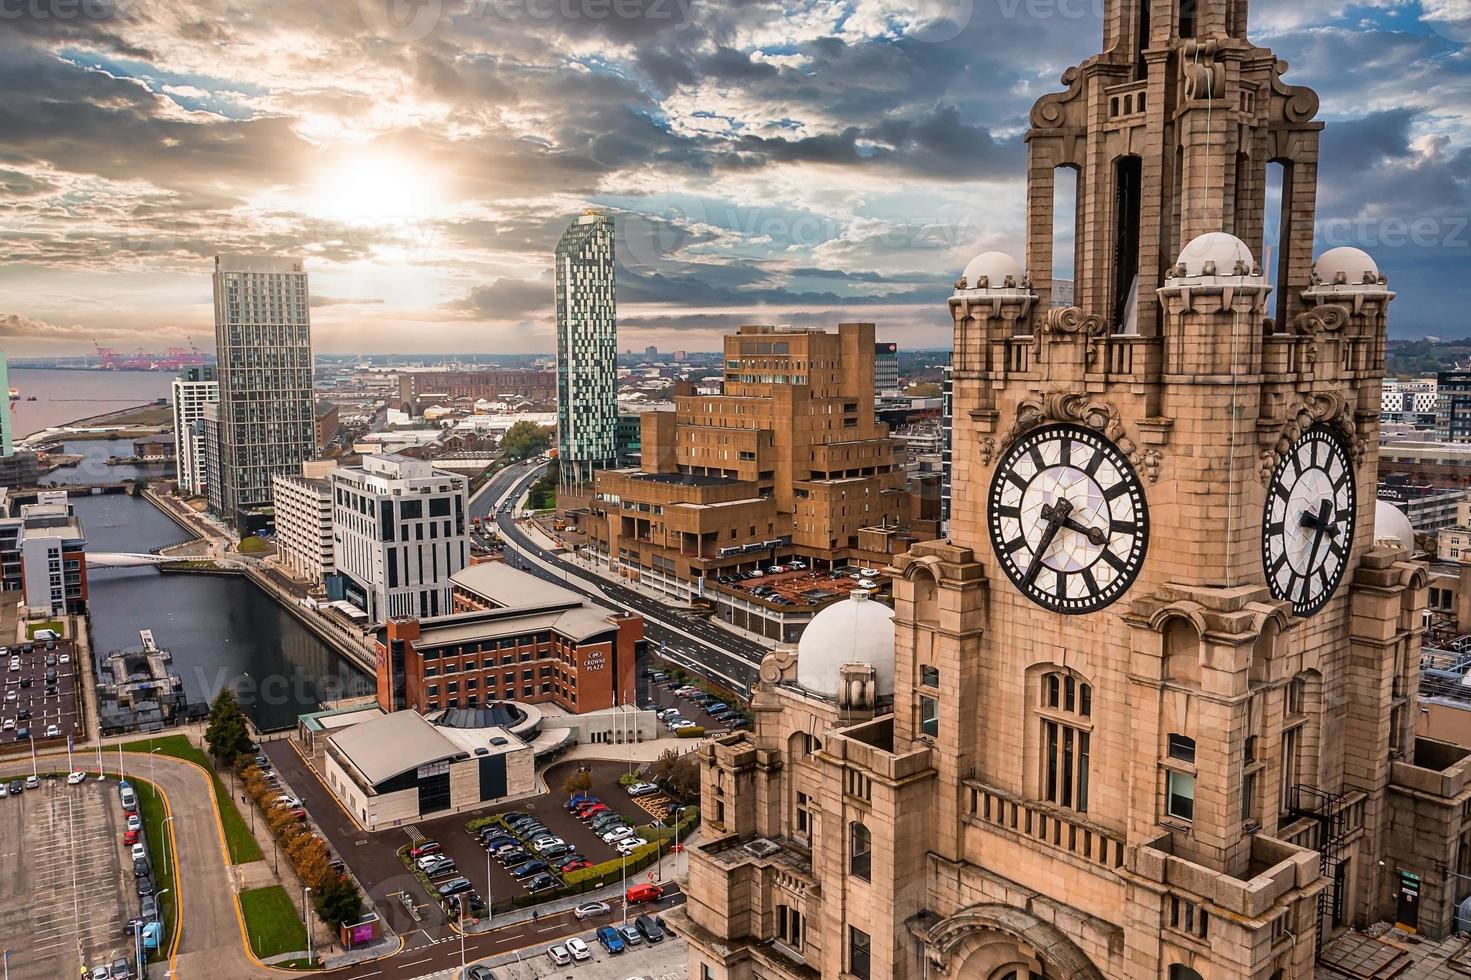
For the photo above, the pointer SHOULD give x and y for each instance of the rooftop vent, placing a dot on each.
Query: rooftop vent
(762, 848)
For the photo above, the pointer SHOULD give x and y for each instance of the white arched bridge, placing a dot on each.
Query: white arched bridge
(119, 559)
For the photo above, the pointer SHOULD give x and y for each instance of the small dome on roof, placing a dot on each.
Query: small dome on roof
(1215, 253)
(1391, 523)
(993, 267)
(1353, 264)
(854, 631)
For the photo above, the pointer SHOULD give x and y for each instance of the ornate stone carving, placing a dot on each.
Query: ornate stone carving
(1076, 407)
(778, 662)
(945, 941)
(1070, 321)
(1299, 103)
(1325, 407)
(988, 450)
(1199, 72)
(1048, 112)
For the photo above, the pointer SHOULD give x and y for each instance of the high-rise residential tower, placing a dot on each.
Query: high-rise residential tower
(190, 392)
(266, 411)
(587, 348)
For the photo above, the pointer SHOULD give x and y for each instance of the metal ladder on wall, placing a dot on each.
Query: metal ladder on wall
(1330, 812)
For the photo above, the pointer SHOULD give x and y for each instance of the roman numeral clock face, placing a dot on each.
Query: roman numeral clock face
(1067, 519)
(1308, 524)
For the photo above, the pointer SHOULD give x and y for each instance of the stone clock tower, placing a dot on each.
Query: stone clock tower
(1152, 711)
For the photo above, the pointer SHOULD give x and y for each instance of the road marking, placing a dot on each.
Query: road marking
(417, 962)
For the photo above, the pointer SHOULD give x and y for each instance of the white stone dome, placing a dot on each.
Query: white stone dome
(857, 630)
(1391, 523)
(1217, 247)
(995, 267)
(1352, 262)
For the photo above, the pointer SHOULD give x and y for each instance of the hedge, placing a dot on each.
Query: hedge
(691, 731)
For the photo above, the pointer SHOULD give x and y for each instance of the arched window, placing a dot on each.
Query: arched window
(860, 851)
(1181, 972)
(1065, 735)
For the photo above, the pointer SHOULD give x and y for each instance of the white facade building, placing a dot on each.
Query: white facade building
(1398, 399)
(191, 391)
(587, 347)
(398, 534)
(304, 525)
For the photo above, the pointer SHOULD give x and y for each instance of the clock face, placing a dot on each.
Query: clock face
(1308, 522)
(1067, 519)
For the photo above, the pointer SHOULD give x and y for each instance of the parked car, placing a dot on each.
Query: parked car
(479, 972)
(576, 864)
(75, 778)
(590, 909)
(148, 908)
(629, 844)
(649, 929)
(52, 731)
(559, 955)
(144, 885)
(642, 789)
(578, 801)
(631, 936)
(578, 949)
(140, 867)
(554, 851)
(33, 782)
(526, 870)
(139, 851)
(541, 882)
(135, 822)
(616, 834)
(130, 837)
(121, 970)
(610, 939)
(454, 887)
(427, 847)
(542, 843)
(513, 857)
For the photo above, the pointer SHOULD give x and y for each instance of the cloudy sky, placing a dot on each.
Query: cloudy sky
(786, 161)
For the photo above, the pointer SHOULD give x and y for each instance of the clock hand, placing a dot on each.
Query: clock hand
(1321, 526)
(1095, 535)
(1055, 515)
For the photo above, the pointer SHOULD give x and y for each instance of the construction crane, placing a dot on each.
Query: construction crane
(141, 360)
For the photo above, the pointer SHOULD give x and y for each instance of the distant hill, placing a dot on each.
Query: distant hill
(1411, 358)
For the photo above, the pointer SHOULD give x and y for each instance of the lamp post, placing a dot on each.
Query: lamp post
(151, 753)
(163, 836)
(306, 919)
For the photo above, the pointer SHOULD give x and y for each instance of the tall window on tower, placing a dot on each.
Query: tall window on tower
(1187, 18)
(1065, 729)
(1128, 174)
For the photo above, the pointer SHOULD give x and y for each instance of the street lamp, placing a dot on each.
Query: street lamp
(306, 920)
(151, 753)
(163, 835)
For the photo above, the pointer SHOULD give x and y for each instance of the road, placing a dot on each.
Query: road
(693, 641)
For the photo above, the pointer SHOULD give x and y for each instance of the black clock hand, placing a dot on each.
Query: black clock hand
(1055, 515)
(1095, 535)
(1321, 527)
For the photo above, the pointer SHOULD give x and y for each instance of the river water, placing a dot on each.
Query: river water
(222, 630)
(65, 396)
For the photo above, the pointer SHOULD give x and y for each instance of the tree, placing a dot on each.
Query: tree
(678, 773)
(925, 389)
(525, 439)
(338, 900)
(577, 782)
(228, 735)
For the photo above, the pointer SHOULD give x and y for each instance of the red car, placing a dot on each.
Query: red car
(428, 847)
(130, 837)
(589, 812)
(575, 866)
(643, 893)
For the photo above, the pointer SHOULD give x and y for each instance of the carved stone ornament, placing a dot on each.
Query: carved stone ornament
(988, 450)
(1329, 318)
(1048, 112)
(778, 662)
(1076, 407)
(1322, 407)
(1070, 321)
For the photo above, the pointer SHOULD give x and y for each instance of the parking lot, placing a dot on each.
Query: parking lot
(38, 698)
(662, 694)
(668, 960)
(66, 889)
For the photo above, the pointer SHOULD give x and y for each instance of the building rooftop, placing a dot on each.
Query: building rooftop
(684, 479)
(509, 587)
(384, 747)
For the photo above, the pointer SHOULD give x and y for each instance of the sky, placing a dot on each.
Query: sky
(765, 161)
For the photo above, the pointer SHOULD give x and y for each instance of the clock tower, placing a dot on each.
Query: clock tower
(1152, 703)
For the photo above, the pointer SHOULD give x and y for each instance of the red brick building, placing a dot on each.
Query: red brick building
(512, 637)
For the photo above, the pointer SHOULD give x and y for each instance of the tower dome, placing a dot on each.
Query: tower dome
(993, 267)
(1391, 523)
(856, 630)
(1215, 253)
(1355, 265)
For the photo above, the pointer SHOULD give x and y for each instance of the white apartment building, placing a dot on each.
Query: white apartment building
(304, 524)
(1400, 398)
(398, 534)
(191, 391)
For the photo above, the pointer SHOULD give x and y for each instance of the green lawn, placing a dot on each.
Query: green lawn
(160, 854)
(49, 625)
(271, 921)
(242, 845)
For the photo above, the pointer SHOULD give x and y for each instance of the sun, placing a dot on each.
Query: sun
(373, 187)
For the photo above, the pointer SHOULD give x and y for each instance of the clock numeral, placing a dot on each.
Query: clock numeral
(1116, 491)
(1015, 544)
(1122, 527)
(1119, 564)
(1094, 461)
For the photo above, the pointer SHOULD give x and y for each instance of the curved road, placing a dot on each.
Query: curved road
(694, 641)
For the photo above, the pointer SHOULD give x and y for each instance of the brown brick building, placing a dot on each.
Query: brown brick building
(418, 387)
(512, 637)
(788, 461)
(1153, 703)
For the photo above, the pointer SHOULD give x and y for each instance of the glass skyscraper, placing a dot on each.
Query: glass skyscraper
(266, 410)
(587, 348)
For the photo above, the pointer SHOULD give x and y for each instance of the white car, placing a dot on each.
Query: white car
(9, 725)
(46, 634)
(33, 782)
(628, 845)
(76, 778)
(65, 658)
(52, 731)
(642, 789)
(135, 822)
(682, 724)
(287, 801)
(617, 834)
(591, 909)
(15, 663)
(559, 955)
(543, 843)
(578, 949)
(139, 852)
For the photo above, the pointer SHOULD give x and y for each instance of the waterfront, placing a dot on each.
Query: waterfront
(221, 629)
(60, 399)
(94, 469)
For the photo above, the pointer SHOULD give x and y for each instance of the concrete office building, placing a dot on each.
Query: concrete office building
(50, 554)
(420, 388)
(266, 407)
(188, 395)
(1453, 406)
(587, 348)
(398, 534)
(1137, 720)
(303, 504)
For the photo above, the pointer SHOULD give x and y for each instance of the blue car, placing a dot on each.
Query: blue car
(610, 939)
